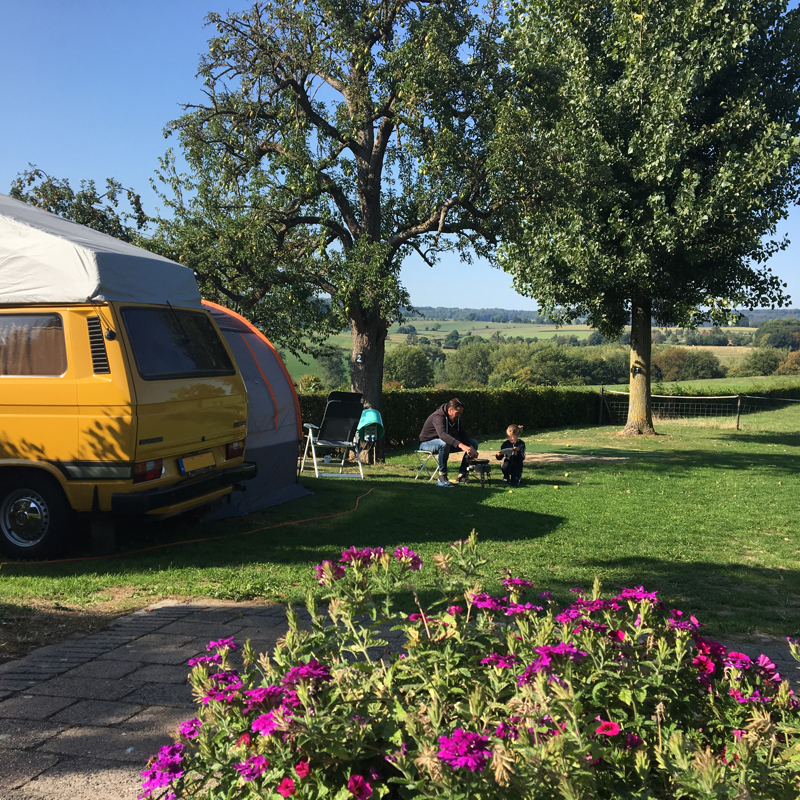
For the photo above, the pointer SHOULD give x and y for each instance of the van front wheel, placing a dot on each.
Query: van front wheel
(34, 517)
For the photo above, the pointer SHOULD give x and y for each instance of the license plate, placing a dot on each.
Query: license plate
(196, 463)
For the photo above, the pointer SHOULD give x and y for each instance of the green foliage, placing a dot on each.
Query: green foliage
(686, 364)
(783, 334)
(84, 206)
(791, 366)
(310, 383)
(761, 361)
(451, 340)
(659, 162)
(333, 369)
(408, 366)
(493, 697)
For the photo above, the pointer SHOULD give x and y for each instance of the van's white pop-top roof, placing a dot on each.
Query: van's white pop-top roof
(47, 259)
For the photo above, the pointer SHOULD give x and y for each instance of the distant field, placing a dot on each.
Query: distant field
(729, 356)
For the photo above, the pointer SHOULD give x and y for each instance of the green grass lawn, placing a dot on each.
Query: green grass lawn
(703, 513)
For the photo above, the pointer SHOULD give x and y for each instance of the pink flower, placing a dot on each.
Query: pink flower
(249, 770)
(302, 768)
(244, 739)
(465, 749)
(285, 788)
(455, 610)
(221, 643)
(190, 729)
(408, 556)
(607, 728)
(359, 787)
(618, 635)
(337, 572)
(264, 724)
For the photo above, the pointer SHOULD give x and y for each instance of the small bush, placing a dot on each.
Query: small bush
(492, 697)
(761, 361)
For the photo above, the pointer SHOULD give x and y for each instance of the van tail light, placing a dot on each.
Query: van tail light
(147, 470)
(234, 449)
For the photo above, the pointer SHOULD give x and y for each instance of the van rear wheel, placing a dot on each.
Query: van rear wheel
(35, 516)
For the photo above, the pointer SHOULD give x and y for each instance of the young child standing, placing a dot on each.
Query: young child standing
(513, 457)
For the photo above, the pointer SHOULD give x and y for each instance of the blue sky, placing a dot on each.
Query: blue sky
(89, 85)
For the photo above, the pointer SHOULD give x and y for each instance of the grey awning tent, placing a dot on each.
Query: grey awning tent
(47, 259)
(274, 428)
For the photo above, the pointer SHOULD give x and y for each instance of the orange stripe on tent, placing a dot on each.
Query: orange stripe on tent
(261, 336)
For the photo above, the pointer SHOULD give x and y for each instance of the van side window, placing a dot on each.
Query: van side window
(174, 343)
(32, 344)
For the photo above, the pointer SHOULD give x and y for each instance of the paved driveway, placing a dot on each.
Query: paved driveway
(79, 719)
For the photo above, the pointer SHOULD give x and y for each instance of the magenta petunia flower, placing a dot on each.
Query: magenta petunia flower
(483, 600)
(337, 572)
(264, 724)
(618, 636)
(302, 768)
(464, 749)
(454, 611)
(222, 643)
(215, 659)
(359, 787)
(249, 770)
(224, 687)
(607, 728)
(190, 729)
(285, 788)
(767, 669)
(164, 768)
(364, 557)
(737, 660)
(311, 671)
(263, 695)
(501, 661)
(632, 741)
(517, 583)
(638, 593)
(407, 556)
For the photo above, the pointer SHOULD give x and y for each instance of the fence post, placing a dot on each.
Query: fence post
(600, 415)
(738, 410)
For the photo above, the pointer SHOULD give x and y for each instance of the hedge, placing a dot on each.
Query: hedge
(488, 411)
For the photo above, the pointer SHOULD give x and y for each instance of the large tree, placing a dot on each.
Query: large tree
(658, 141)
(87, 205)
(336, 138)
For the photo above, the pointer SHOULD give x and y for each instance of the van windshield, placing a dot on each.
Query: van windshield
(174, 343)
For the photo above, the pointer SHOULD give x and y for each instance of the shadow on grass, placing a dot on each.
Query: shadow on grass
(338, 514)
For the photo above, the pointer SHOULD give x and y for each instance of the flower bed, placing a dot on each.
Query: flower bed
(491, 697)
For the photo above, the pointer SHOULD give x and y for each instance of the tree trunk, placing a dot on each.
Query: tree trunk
(368, 333)
(640, 411)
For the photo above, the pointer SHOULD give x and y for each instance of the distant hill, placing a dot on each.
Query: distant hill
(477, 314)
(754, 317)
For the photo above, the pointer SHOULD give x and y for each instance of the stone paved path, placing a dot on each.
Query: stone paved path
(78, 720)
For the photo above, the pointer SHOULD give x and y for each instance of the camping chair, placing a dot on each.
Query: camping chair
(423, 457)
(337, 431)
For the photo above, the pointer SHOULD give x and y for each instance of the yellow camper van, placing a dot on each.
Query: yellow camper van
(118, 393)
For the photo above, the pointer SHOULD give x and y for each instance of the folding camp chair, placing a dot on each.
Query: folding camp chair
(423, 457)
(337, 431)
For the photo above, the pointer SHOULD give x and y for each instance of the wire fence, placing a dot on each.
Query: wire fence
(671, 407)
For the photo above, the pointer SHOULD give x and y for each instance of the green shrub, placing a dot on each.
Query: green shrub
(761, 361)
(491, 698)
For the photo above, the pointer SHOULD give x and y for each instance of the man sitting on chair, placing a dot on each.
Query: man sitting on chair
(441, 433)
